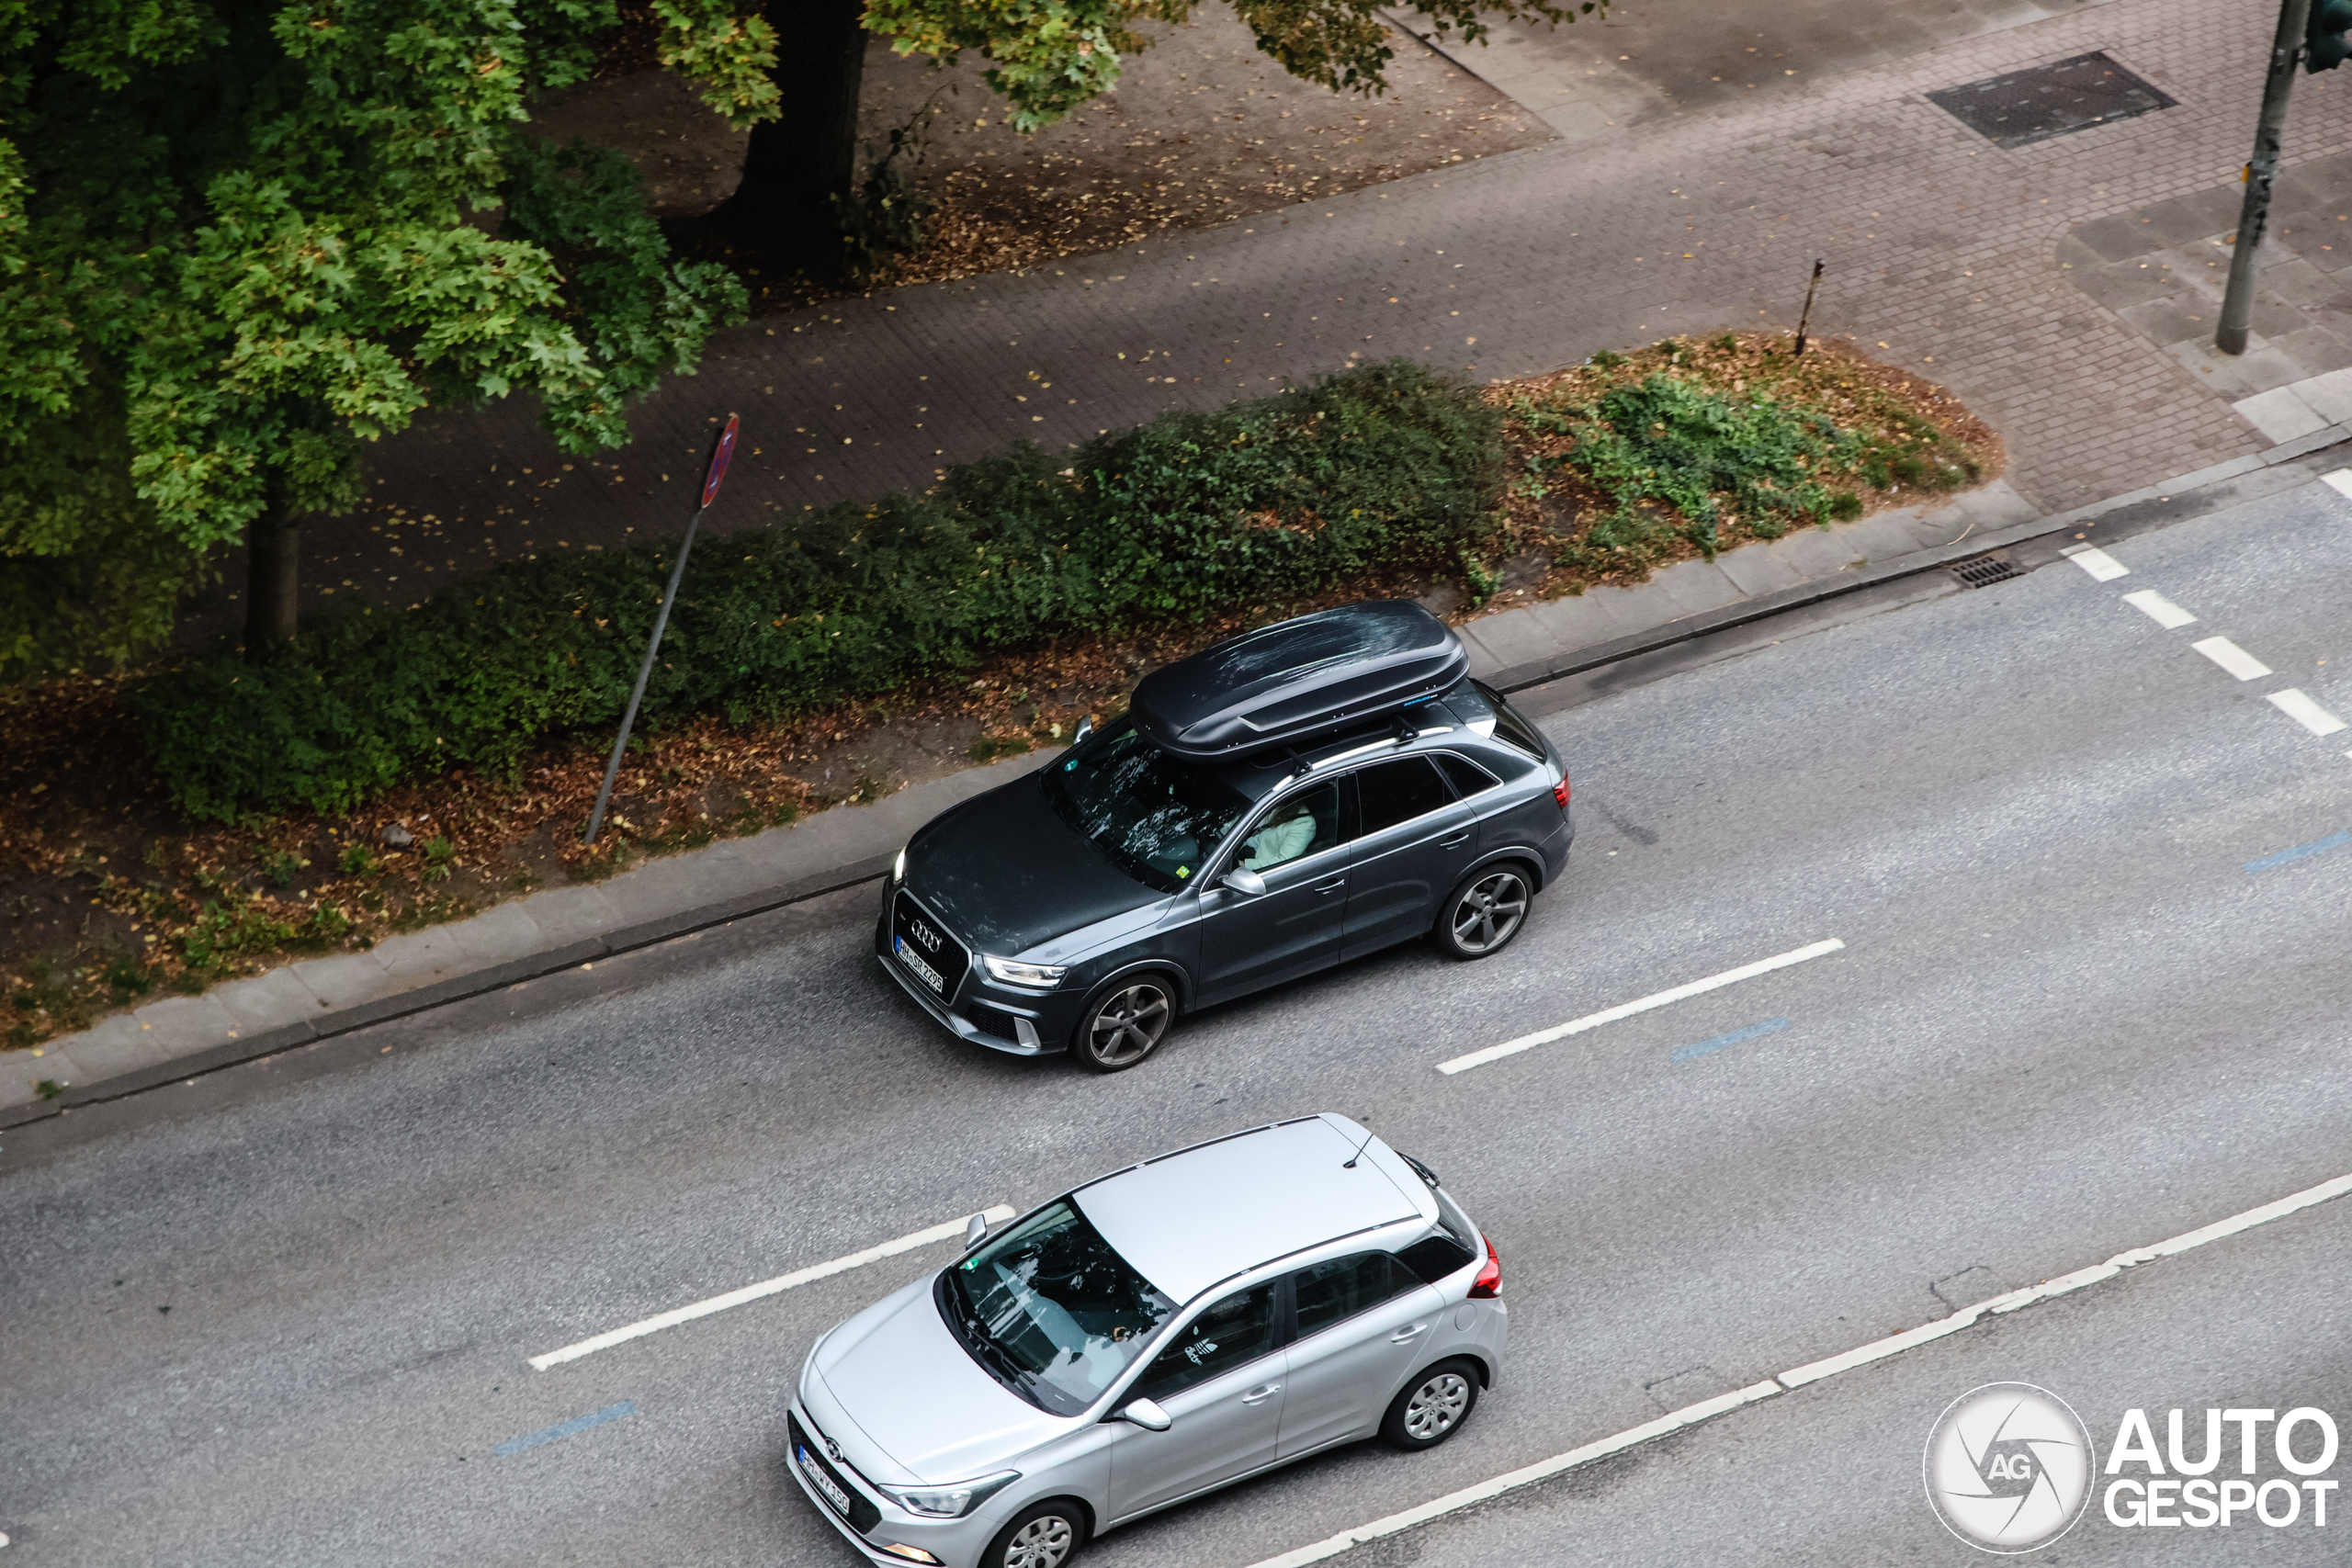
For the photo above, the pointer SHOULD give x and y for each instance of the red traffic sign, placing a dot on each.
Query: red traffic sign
(720, 451)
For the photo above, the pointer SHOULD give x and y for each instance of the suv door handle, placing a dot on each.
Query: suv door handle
(1263, 1393)
(1331, 886)
(1410, 1331)
(1456, 843)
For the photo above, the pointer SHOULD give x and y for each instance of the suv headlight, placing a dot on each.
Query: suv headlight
(952, 1501)
(899, 867)
(1012, 972)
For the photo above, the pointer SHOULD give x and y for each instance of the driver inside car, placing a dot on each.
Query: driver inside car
(1278, 843)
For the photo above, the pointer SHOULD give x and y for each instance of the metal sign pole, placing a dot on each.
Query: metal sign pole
(720, 451)
(2254, 217)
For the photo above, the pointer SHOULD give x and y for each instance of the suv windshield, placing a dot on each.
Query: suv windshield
(1157, 819)
(1051, 1310)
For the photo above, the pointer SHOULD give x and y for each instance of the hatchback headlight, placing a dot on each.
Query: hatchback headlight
(1012, 972)
(952, 1501)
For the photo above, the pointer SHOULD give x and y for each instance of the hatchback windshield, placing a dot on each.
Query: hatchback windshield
(1052, 1310)
(1157, 817)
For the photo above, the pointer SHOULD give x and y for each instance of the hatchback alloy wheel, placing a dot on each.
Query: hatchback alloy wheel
(1436, 1406)
(1041, 1543)
(1485, 913)
(1126, 1025)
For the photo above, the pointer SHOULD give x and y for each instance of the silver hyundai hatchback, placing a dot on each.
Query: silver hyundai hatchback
(1154, 1334)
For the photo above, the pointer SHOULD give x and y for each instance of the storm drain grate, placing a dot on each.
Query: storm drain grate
(2049, 100)
(1983, 571)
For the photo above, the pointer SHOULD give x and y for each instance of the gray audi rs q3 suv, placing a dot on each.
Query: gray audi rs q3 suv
(1283, 801)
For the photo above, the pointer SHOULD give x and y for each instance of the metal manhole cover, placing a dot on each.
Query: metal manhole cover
(1983, 571)
(2049, 100)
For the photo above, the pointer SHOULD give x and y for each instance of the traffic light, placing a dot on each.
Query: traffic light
(2328, 39)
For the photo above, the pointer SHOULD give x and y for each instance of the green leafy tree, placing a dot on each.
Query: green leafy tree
(240, 239)
(1047, 58)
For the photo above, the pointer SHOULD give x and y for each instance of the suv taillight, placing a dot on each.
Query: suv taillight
(1489, 1285)
(1560, 791)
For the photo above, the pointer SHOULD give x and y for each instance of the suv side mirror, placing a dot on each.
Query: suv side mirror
(976, 1232)
(1085, 729)
(1147, 1413)
(1248, 882)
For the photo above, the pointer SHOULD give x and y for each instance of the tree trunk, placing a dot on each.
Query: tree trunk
(797, 162)
(273, 579)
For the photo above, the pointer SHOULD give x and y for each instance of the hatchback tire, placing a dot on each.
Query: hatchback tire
(1043, 1535)
(1125, 1021)
(1479, 917)
(1432, 1407)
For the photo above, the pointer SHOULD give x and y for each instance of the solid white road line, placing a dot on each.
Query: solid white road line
(2341, 480)
(2307, 713)
(2231, 658)
(1812, 1373)
(676, 1315)
(1627, 1009)
(2103, 567)
(2159, 609)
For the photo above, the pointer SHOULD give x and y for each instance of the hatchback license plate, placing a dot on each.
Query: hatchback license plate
(929, 975)
(826, 1487)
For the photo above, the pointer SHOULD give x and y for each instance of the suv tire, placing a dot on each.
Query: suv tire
(1124, 1021)
(1483, 913)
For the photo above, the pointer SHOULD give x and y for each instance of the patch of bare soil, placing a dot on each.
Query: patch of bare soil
(1202, 130)
(109, 897)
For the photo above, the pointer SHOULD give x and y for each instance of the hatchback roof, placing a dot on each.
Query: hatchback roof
(1189, 1219)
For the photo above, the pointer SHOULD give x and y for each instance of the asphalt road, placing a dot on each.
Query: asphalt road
(282, 1317)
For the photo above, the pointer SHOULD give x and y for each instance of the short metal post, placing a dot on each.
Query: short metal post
(2253, 216)
(1805, 319)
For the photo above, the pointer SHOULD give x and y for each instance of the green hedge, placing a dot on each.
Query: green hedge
(1386, 464)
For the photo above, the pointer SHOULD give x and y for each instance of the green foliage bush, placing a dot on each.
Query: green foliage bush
(1388, 465)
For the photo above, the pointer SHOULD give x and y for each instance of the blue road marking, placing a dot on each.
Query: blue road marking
(1709, 1047)
(2287, 857)
(577, 1424)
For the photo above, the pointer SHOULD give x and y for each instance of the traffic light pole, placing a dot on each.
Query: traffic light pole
(2254, 217)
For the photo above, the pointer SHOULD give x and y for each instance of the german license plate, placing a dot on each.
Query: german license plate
(825, 1485)
(930, 977)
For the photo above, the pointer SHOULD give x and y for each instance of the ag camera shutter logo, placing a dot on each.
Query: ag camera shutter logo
(2009, 1468)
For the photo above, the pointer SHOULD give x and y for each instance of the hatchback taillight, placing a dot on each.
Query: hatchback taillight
(1560, 791)
(1489, 1285)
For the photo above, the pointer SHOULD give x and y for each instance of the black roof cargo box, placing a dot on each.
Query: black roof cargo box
(1282, 684)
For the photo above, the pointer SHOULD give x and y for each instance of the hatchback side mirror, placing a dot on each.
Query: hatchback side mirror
(976, 1232)
(1246, 882)
(1147, 1413)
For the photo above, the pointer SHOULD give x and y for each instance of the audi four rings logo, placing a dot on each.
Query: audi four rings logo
(2008, 1467)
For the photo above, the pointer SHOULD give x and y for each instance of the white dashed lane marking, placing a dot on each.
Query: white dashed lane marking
(2159, 609)
(676, 1315)
(2103, 567)
(2231, 658)
(2307, 713)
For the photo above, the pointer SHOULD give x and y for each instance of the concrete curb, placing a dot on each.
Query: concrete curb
(2192, 494)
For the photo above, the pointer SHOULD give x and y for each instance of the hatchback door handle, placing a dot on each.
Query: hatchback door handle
(1331, 886)
(1261, 1393)
(1456, 843)
(1410, 1331)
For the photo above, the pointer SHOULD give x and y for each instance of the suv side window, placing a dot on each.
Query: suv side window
(1230, 1334)
(1332, 1293)
(1307, 823)
(1393, 792)
(1466, 776)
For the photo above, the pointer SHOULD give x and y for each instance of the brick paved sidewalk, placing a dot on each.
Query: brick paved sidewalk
(1941, 247)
